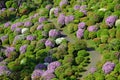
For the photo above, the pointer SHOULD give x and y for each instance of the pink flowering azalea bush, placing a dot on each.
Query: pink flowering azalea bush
(108, 67)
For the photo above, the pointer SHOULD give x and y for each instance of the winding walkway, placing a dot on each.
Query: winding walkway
(95, 57)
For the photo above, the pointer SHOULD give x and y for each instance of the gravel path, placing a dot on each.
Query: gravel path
(95, 57)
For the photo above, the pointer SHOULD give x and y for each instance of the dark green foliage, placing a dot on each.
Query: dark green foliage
(30, 48)
(82, 53)
(14, 66)
(78, 14)
(79, 59)
(8, 4)
(68, 59)
(41, 54)
(86, 33)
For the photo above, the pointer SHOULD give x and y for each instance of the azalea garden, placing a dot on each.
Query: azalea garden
(59, 39)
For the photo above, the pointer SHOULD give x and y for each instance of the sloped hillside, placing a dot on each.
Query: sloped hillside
(49, 40)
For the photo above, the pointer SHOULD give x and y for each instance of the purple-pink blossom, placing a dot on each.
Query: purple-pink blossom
(83, 9)
(36, 74)
(49, 43)
(53, 65)
(48, 76)
(42, 19)
(18, 30)
(14, 26)
(50, 71)
(80, 33)
(4, 70)
(76, 7)
(63, 2)
(48, 6)
(110, 20)
(11, 9)
(108, 67)
(56, 11)
(28, 24)
(53, 33)
(7, 24)
(4, 37)
(30, 38)
(81, 25)
(68, 19)
(23, 49)
(92, 28)
(35, 15)
(40, 27)
(61, 19)
(8, 51)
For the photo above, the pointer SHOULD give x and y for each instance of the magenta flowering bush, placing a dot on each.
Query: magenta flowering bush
(18, 30)
(8, 51)
(30, 38)
(80, 33)
(11, 9)
(34, 16)
(49, 43)
(53, 33)
(40, 27)
(83, 9)
(77, 7)
(28, 24)
(3, 38)
(68, 19)
(81, 25)
(23, 49)
(49, 6)
(14, 26)
(36, 74)
(7, 24)
(4, 70)
(56, 11)
(42, 19)
(110, 20)
(48, 72)
(63, 2)
(48, 76)
(61, 19)
(92, 28)
(53, 65)
(108, 67)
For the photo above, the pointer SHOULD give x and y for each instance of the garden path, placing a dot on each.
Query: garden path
(95, 56)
